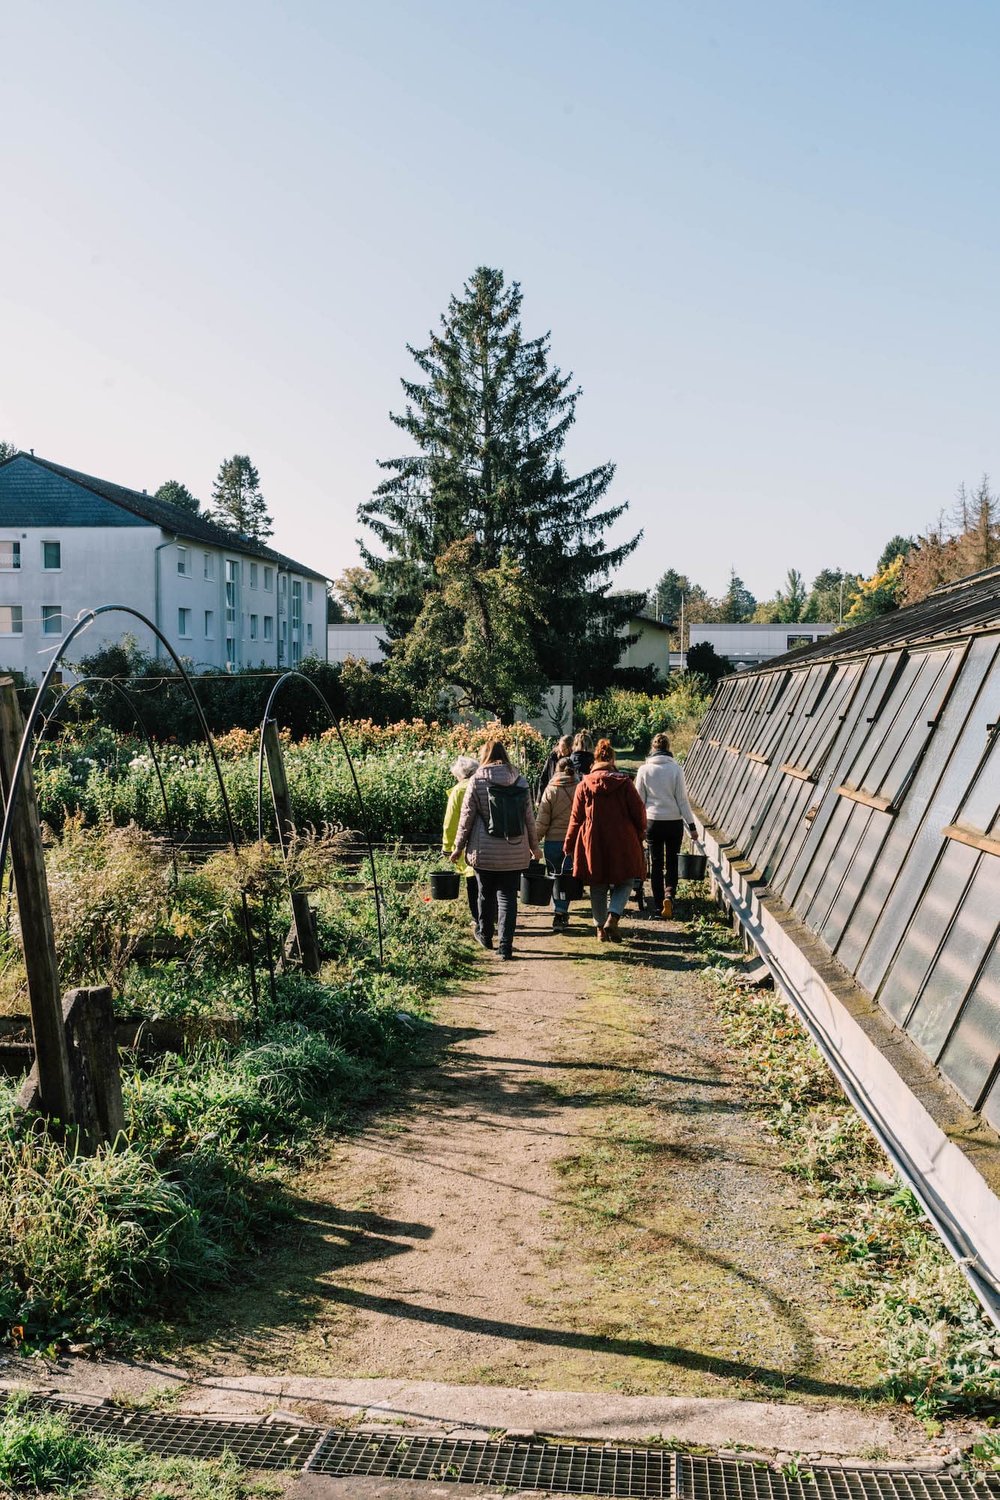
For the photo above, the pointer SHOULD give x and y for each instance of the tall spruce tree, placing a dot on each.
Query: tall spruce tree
(489, 421)
(237, 501)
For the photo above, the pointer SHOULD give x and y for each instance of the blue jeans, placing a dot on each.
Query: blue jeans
(558, 864)
(599, 900)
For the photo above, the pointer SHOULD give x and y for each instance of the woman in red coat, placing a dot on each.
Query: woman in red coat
(604, 839)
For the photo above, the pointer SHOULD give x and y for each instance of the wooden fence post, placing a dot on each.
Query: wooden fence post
(91, 1039)
(28, 859)
(302, 917)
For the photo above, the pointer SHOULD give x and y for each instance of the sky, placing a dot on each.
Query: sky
(762, 235)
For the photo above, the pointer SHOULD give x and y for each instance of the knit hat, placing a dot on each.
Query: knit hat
(464, 767)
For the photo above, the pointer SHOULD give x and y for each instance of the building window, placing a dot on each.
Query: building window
(11, 619)
(184, 623)
(284, 583)
(253, 575)
(253, 627)
(52, 556)
(52, 619)
(269, 627)
(269, 580)
(209, 565)
(309, 593)
(183, 562)
(209, 624)
(309, 633)
(10, 556)
(230, 653)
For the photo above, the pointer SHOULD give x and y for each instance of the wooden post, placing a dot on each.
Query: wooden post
(302, 919)
(34, 913)
(93, 1061)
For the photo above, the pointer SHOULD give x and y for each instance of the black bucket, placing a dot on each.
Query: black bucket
(536, 889)
(445, 885)
(569, 887)
(691, 866)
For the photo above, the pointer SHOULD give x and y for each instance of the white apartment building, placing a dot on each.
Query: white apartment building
(70, 542)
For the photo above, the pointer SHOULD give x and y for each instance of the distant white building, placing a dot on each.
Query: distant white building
(70, 542)
(358, 638)
(748, 645)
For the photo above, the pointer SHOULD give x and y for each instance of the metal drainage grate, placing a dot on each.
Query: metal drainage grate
(258, 1445)
(732, 1479)
(560, 1468)
(517, 1464)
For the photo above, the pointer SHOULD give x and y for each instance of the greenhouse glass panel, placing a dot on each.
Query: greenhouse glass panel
(971, 1054)
(926, 931)
(972, 933)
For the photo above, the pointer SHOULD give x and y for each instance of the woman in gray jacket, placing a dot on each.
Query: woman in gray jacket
(498, 798)
(660, 783)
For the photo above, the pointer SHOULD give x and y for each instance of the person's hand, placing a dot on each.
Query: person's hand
(692, 830)
(536, 854)
(454, 856)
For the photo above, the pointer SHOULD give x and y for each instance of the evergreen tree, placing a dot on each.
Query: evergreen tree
(176, 493)
(832, 594)
(489, 421)
(237, 502)
(791, 599)
(8, 450)
(897, 546)
(737, 603)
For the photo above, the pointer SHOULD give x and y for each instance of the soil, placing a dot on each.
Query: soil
(574, 1195)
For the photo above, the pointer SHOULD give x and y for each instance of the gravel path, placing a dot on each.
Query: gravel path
(573, 1198)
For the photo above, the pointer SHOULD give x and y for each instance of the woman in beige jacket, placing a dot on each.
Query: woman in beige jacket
(551, 822)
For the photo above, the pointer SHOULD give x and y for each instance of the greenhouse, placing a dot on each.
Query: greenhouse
(851, 798)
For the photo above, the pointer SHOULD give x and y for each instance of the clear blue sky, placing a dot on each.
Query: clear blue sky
(763, 235)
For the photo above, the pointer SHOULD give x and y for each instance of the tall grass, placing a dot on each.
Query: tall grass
(93, 1247)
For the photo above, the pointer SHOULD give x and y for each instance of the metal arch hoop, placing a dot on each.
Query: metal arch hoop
(86, 683)
(286, 677)
(86, 619)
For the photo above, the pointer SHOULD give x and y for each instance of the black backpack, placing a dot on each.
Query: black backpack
(506, 806)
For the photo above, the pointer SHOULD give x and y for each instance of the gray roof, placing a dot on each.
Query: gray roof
(36, 492)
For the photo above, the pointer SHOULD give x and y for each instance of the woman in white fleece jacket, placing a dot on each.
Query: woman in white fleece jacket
(660, 783)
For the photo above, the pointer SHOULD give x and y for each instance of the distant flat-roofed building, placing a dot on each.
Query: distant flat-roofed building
(359, 639)
(747, 645)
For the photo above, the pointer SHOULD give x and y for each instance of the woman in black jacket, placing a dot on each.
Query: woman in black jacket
(583, 753)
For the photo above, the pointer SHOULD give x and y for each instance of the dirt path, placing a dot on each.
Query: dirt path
(573, 1198)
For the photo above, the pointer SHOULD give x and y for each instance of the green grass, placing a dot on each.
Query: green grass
(41, 1455)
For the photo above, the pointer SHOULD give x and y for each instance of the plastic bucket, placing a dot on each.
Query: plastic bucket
(569, 887)
(536, 890)
(692, 866)
(445, 885)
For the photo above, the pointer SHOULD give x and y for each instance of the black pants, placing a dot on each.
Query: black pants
(498, 895)
(664, 837)
(472, 891)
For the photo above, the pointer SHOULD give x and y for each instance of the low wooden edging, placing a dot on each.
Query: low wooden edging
(135, 1034)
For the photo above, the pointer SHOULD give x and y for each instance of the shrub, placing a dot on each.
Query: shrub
(633, 718)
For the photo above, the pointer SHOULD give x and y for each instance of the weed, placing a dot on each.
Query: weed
(985, 1452)
(940, 1353)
